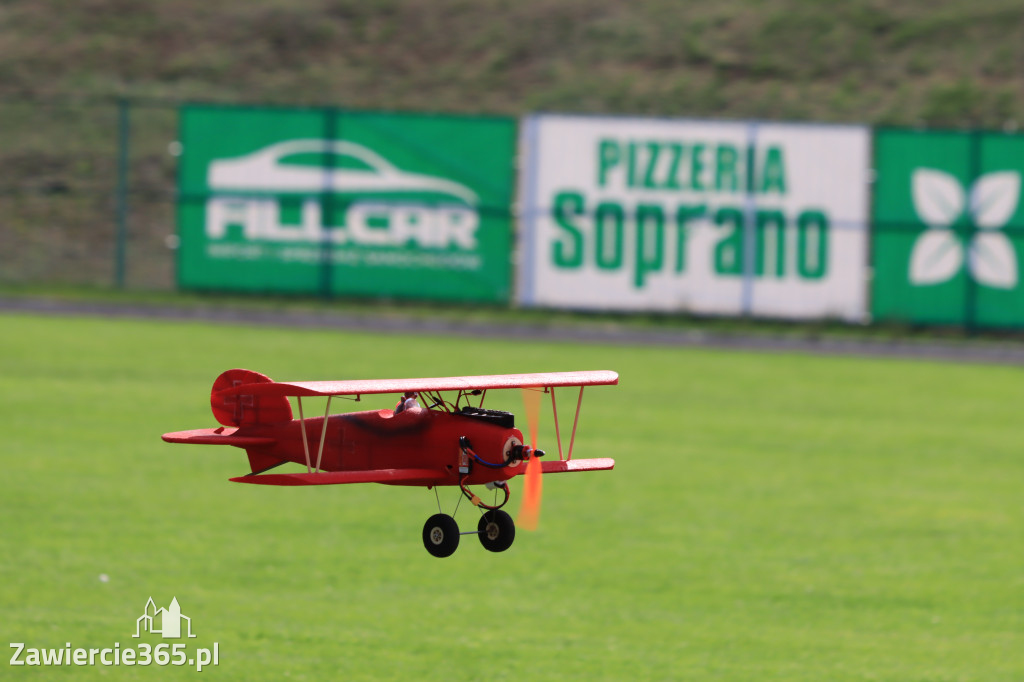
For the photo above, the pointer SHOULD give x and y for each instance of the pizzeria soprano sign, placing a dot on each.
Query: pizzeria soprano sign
(698, 216)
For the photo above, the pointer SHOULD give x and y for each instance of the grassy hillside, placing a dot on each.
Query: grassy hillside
(948, 62)
(62, 63)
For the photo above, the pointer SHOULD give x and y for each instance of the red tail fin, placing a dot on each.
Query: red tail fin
(246, 410)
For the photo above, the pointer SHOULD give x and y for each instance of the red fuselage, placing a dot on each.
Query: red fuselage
(380, 439)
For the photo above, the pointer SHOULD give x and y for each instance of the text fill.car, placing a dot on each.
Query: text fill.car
(383, 205)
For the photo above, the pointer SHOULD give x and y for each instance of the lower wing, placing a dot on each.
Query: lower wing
(406, 476)
(561, 465)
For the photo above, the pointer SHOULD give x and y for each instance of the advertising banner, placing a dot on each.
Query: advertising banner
(948, 219)
(710, 217)
(354, 203)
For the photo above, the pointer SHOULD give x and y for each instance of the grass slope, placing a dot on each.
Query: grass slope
(947, 62)
(770, 517)
(913, 63)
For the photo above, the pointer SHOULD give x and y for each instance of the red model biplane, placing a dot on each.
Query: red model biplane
(443, 443)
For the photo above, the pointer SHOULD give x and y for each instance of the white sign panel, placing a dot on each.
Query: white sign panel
(700, 216)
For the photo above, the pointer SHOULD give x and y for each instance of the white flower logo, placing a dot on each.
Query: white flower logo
(939, 254)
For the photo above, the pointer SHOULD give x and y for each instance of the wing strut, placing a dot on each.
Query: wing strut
(323, 434)
(575, 423)
(554, 411)
(305, 441)
(572, 438)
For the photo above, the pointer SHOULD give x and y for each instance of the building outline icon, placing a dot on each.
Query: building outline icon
(170, 620)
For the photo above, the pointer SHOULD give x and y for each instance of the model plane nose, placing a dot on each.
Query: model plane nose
(522, 452)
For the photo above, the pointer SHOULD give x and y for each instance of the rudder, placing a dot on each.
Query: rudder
(243, 409)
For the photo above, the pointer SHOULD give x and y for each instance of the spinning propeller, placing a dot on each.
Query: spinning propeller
(529, 510)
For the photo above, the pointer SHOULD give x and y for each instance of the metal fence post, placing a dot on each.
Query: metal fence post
(750, 235)
(328, 204)
(121, 198)
(971, 287)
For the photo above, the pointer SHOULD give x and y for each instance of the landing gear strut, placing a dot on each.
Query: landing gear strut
(495, 529)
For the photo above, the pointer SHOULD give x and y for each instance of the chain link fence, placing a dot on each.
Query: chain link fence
(87, 192)
(88, 189)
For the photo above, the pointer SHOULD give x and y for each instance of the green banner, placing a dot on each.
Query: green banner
(348, 203)
(948, 233)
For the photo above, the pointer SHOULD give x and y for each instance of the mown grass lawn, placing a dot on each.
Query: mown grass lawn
(770, 517)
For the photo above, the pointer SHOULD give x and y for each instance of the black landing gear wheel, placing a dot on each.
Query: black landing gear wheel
(441, 535)
(497, 531)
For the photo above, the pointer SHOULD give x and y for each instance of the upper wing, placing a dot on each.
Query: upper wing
(469, 383)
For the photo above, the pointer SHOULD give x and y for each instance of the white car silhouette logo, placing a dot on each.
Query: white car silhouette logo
(357, 170)
(390, 207)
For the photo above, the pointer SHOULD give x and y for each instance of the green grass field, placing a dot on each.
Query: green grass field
(771, 517)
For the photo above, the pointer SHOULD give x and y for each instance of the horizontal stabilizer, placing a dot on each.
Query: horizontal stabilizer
(421, 476)
(218, 436)
(560, 465)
